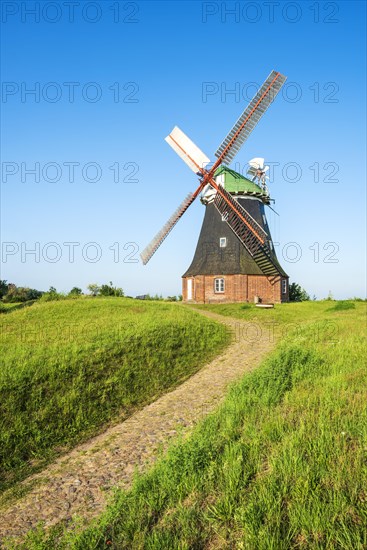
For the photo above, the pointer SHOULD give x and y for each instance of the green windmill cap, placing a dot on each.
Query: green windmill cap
(238, 184)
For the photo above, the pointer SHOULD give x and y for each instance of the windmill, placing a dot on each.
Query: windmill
(235, 258)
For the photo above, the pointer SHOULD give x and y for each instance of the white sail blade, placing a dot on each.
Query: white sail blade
(195, 159)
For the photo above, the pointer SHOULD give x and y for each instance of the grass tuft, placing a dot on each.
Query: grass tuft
(342, 306)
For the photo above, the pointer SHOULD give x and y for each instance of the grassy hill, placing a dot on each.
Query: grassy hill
(281, 464)
(69, 367)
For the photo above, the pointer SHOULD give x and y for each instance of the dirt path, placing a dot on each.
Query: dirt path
(79, 482)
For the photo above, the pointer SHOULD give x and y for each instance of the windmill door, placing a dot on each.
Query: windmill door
(189, 289)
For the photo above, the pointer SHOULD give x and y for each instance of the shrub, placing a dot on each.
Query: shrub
(342, 305)
(51, 295)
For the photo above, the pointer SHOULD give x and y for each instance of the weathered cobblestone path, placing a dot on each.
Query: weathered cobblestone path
(79, 482)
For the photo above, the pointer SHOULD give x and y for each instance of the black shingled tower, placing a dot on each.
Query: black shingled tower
(211, 259)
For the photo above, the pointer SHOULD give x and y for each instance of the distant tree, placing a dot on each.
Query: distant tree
(34, 294)
(110, 290)
(106, 290)
(94, 289)
(21, 294)
(14, 294)
(3, 288)
(297, 293)
(11, 289)
(75, 291)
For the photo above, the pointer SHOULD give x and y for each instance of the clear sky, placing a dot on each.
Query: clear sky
(110, 80)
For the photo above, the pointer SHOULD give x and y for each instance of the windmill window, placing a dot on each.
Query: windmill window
(218, 285)
(223, 242)
(284, 286)
(264, 219)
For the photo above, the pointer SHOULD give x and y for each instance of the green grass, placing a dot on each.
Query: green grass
(285, 314)
(282, 464)
(288, 318)
(69, 367)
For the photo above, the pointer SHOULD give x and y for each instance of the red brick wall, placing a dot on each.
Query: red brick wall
(238, 288)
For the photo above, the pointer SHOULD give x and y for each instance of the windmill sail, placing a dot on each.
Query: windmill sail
(167, 228)
(190, 153)
(249, 118)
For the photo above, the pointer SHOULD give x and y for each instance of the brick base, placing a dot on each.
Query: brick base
(237, 288)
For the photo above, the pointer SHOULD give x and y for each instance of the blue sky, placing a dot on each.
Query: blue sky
(111, 80)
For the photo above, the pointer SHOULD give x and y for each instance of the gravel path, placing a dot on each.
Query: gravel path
(79, 482)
